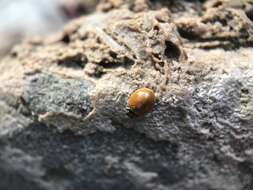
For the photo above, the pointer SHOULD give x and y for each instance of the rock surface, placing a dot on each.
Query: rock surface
(64, 122)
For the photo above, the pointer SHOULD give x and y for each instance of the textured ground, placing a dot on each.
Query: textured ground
(63, 117)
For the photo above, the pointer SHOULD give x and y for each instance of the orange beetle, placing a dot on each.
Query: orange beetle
(141, 101)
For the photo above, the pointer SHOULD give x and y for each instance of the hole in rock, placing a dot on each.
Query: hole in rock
(249, 14)
(187, 33)
(217, 4)
(66, 39)
(172, 51)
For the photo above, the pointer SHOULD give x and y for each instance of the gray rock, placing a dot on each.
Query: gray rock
(64, 122)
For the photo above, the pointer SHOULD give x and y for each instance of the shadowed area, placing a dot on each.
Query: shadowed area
(98, 161)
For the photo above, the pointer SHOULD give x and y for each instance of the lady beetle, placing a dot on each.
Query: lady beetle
(141, 101)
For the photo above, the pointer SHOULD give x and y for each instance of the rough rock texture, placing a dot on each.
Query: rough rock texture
(64, 122)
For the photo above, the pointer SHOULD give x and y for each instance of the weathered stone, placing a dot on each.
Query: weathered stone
(61, 97)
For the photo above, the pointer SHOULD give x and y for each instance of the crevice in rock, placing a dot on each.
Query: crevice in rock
(57, 174)
(125, 62)
(77, 61)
